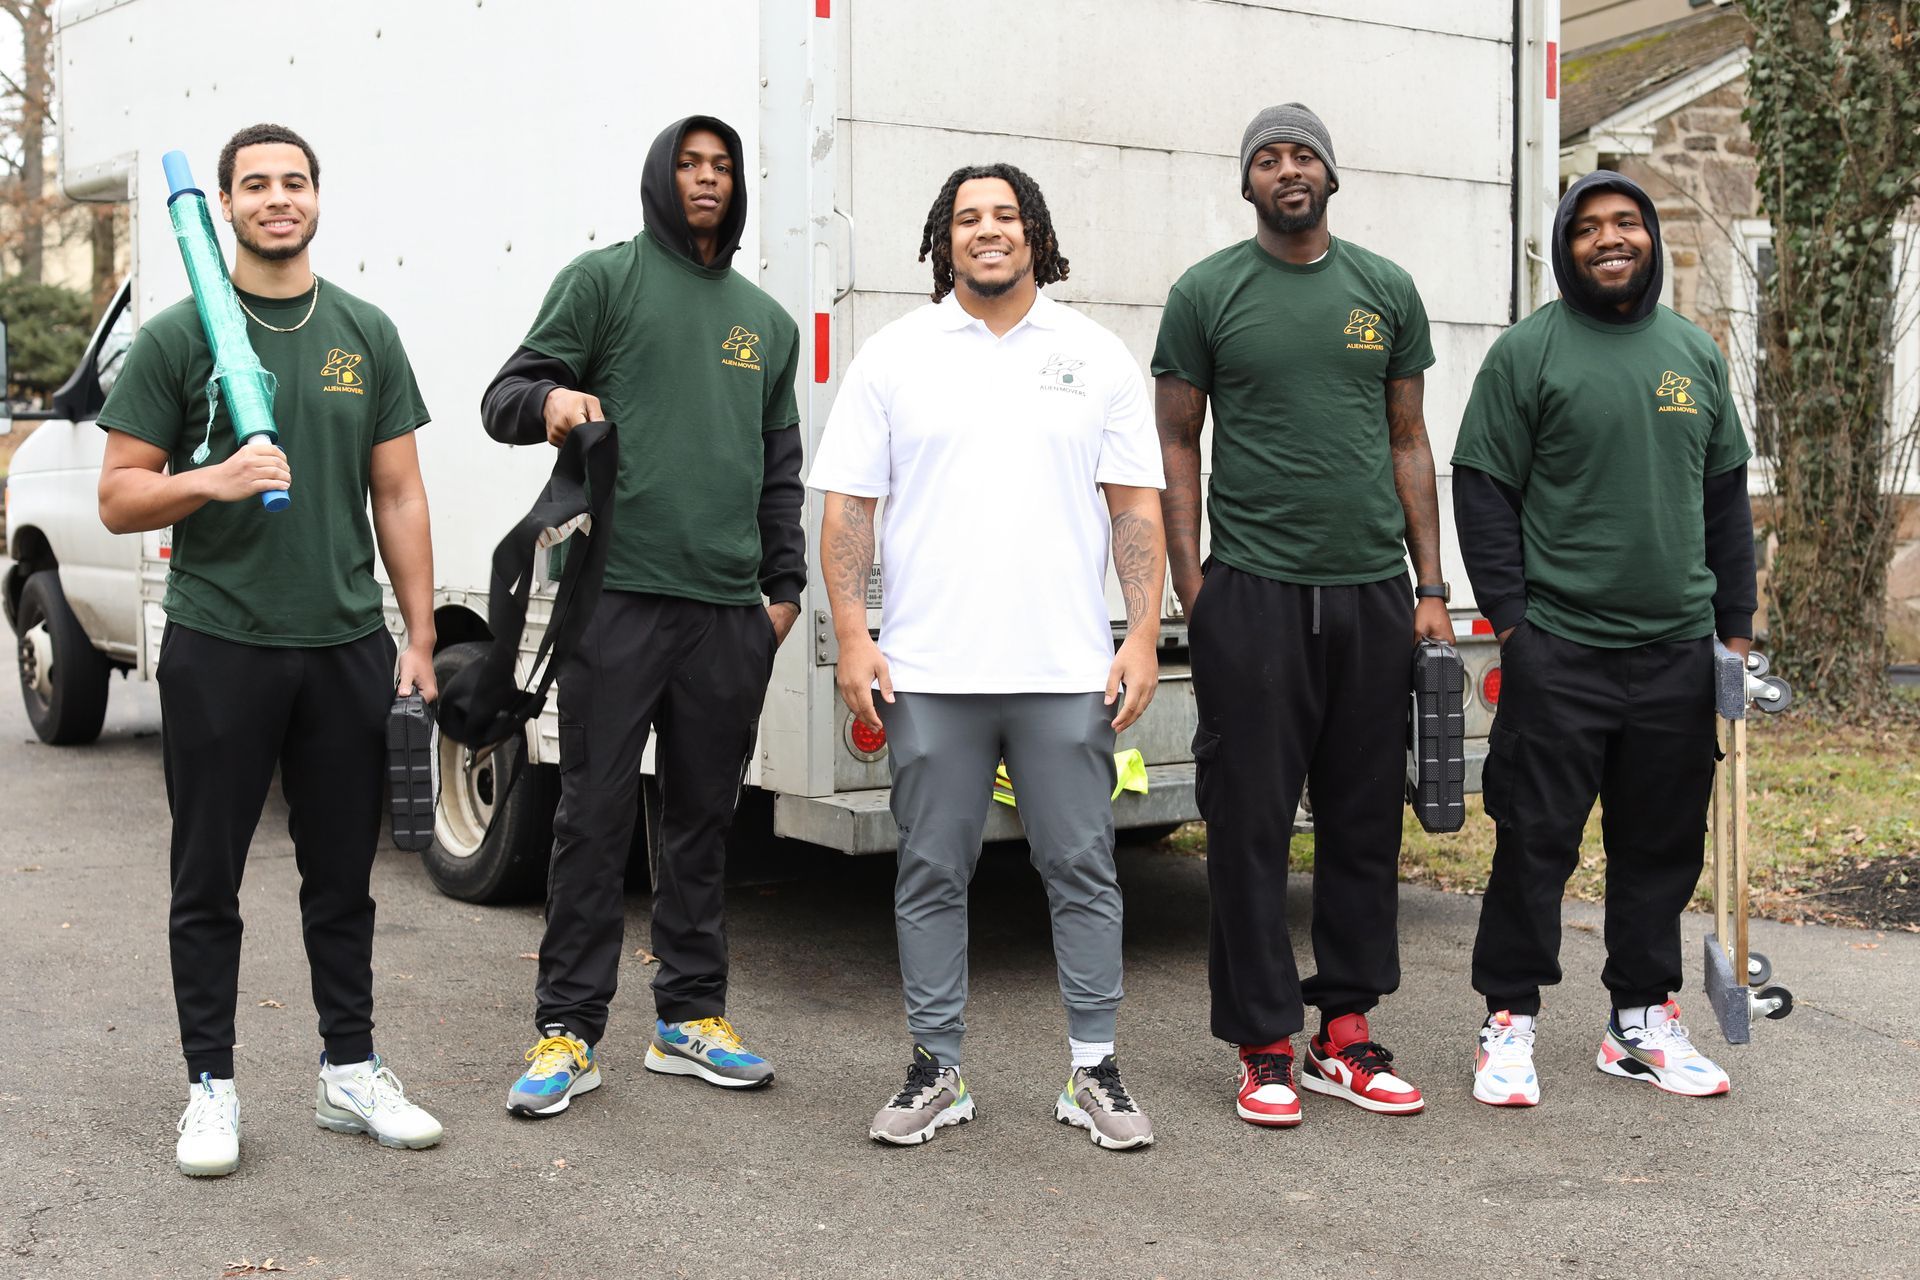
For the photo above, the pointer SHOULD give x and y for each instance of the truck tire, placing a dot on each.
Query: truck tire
(63, 678)
(492, 814)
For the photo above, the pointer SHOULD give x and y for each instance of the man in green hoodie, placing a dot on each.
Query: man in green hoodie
(695, 365)
(1600, 491)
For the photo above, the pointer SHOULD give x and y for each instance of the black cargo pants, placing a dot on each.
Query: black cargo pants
(696, 674)
(1634, 729)
(1300, 685)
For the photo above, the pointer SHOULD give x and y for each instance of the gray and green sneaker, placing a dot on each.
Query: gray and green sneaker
(1096, 1100)
(709, 1049)
(933, 1096)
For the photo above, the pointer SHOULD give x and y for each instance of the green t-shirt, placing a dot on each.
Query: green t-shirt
(1608, 432)
(303, 576)
(692, 364)
(1295, 360)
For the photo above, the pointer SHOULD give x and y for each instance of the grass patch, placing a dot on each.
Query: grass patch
(1833, 829)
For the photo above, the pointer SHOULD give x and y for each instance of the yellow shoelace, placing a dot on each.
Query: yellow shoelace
(719, 1030)
(553, 1053)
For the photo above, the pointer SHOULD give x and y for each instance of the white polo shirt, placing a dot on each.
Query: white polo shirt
(990, 453)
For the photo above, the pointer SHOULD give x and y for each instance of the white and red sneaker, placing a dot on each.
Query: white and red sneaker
(1661, 1053)
(1266, 1093)
(1344, 1061)
(1503, 1074)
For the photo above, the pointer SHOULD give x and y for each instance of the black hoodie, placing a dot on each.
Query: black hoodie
(660, 204)
(1486, 512)
(513, 408)
(1573, 286)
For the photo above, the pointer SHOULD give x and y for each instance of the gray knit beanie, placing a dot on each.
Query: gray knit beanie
(1293, 123)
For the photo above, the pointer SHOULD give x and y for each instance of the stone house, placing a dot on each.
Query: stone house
(1663, 106)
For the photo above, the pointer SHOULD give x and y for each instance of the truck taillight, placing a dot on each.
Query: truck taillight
(867, 744)
(1481, 627)
(1490, 686)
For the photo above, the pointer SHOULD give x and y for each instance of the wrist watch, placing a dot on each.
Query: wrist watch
(1440, 589)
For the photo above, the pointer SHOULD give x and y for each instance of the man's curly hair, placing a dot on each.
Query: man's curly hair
(937, 239)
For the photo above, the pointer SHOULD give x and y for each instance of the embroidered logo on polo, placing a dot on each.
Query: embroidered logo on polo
(1673, 386)
(1364, 325)
(744, 347)
(342, 367)
(1062, 373)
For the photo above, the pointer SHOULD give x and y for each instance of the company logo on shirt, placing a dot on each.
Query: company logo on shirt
(1674, 386)
(1062, 373)
(745, 347)
(341, 366)
(1365, 325)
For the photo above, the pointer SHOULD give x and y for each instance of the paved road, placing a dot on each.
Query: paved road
(1812, 1166)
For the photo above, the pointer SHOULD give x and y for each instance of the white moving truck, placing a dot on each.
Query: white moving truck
(470, 148)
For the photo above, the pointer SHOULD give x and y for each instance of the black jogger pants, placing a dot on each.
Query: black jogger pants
(1634, 729)
(229, 713)
(696, 675)
(1300, 685)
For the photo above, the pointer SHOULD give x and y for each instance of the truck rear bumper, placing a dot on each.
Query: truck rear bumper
(859, 821)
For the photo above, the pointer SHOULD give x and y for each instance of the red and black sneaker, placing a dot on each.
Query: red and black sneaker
(1344, 1061)
(1266, 1093)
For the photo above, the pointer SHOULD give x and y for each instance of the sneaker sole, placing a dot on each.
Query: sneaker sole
(674, 1065)
(1511, 1100)
(208, 1170)
(1074, 1114)
(1334, 1089)
(1631, 1068)
(1264, 1120)
(959, 1113)
(347, 1122)
(584, 1084)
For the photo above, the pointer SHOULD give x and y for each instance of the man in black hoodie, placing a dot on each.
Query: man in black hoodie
(1600, 491)
(695, 365)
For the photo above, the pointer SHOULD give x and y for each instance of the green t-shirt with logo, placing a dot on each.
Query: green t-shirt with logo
(1608, 432)
(1295, 361)
(692, 364)
(300, 577)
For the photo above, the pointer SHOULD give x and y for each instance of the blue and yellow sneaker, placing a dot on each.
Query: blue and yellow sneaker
(708, 1048)
(562, 1067)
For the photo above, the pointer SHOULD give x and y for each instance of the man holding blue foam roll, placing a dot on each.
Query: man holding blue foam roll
(274, 651)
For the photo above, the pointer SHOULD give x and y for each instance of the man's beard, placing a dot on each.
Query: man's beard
(277, 253)
(989, 291)
(1287, 224)
(1628, 290)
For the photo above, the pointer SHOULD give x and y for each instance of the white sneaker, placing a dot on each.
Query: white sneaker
(1503, 1073)
(1661, 1053)
(209, 1145)
(367, 1098)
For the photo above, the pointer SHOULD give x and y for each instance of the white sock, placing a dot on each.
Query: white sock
(220, 1088)
(1088, 1053)
(1521, 1021)
(342, 1072)
(1639, 1017)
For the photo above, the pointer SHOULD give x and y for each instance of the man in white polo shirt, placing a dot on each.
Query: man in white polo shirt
(992, 422)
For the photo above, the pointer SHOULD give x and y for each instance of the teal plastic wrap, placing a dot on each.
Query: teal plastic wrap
(238, 374)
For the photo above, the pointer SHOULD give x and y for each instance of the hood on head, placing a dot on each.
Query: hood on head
(1573, 286)
(660, 203)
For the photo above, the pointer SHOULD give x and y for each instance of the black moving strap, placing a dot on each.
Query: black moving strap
(484, 704)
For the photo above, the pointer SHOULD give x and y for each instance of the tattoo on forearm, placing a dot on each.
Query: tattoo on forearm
(1139, 563)
(1180, 411)
(1413, 473)
(848, 554)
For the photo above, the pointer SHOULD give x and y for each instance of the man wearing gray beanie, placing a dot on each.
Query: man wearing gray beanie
(1311, 351)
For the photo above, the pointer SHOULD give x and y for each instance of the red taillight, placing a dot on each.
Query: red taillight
(868, 742)
(1481, 627)
(1490, 686)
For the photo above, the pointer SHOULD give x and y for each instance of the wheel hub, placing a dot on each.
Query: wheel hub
(36, 661)
(467, 794)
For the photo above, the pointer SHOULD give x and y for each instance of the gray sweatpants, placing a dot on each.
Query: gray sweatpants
(942, 751)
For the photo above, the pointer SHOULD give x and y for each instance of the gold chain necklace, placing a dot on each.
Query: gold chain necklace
(276, 328)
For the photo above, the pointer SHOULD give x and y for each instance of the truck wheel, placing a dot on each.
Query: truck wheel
(493, 812)
(63, 678)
